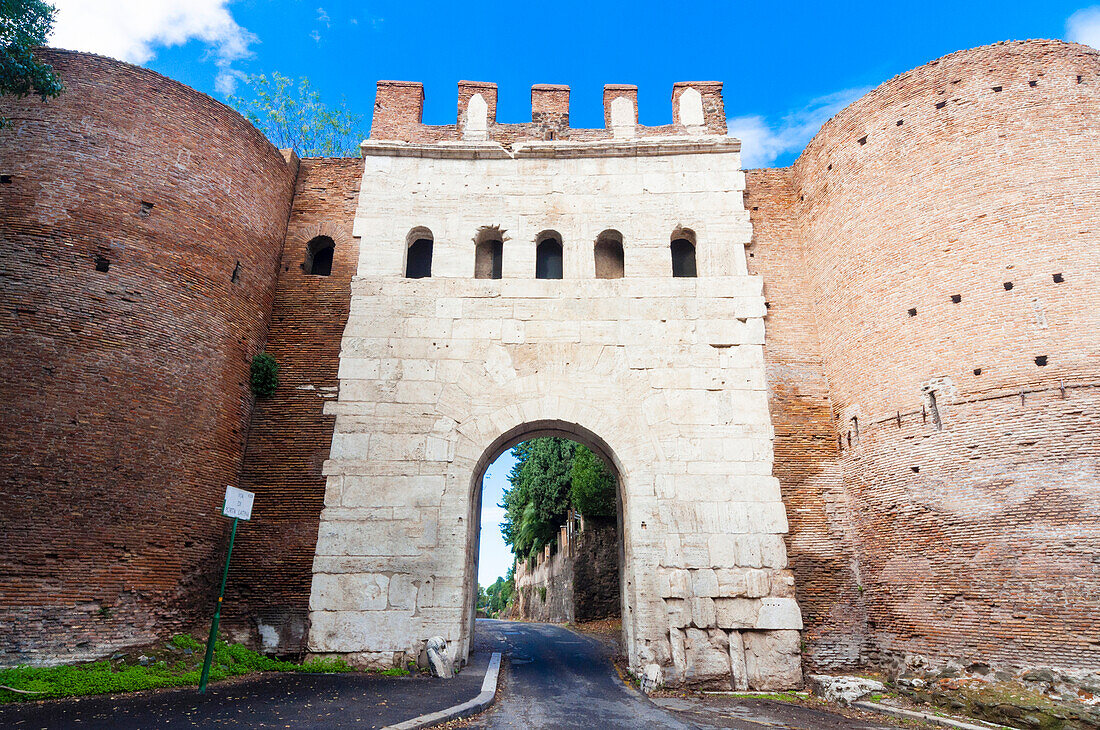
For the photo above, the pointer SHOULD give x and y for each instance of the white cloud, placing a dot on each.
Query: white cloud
(315, 36)
(1084, 27)
(763, 142)
(132, 30)
(322, 17)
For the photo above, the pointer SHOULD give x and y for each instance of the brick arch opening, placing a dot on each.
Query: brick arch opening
(579, 434)
(319, 253)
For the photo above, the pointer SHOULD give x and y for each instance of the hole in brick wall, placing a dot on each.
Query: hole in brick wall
(236, 273)
(901, 122)
(1008, 286)
(756, 207)
(956, 298)
(915, 469)
(1058, 279)
(840, 443)
(863, 140)
(977, 371)
(913, 312)
(935, 409)
(102, 264)
(849, 439)
(1032, 83)
(998, 88)
(146, 209)
(941, 104)
(5, 179)
(767, 305)
(1041, 360)
(1080, 79)
(830, 166)
(319, 253)
(801, 197)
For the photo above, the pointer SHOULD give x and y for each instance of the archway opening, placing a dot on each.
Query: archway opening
(319, 256)
(608, 253)
(548, 256)
(550, 546)
(489, 253)
(418, 253)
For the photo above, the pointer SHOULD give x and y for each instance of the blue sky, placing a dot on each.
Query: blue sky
(494, 558)
(786, 67)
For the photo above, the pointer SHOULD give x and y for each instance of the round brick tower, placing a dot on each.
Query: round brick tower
(950, 224)
(141, 225)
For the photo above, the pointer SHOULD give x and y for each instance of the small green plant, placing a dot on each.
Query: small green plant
(185, 641)
(542, 593)
(395, 672)
(265, 375)
(104, 612)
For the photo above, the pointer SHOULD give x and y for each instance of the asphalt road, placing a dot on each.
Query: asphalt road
(554, 679)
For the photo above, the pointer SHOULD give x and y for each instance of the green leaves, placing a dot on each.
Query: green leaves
(550, 476)
(24, 26)
(265, 375)
(291, 114)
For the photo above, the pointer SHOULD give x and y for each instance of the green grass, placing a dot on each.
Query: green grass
(775, 696)
(169, 670)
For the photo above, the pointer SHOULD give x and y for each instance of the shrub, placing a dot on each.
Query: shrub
(265, 375)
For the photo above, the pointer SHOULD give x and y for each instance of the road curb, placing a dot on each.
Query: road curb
(926, 716)
(472, 707)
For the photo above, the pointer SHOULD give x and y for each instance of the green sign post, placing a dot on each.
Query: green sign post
(238, 505)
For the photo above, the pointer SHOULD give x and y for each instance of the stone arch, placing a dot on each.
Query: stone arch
(491, 434)
(319, 252)
(341, 238)
(489, 253)
(418, 253)
(549, 255)
(608, 255)
(683, 250)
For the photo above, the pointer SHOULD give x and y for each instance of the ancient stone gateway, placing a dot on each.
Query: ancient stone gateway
(661, 375)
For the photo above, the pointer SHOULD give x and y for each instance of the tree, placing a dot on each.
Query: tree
(537, 501)
(24, 26)
(293, 116)
(593, 485)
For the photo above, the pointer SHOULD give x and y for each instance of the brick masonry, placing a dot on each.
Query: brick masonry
(126, 398)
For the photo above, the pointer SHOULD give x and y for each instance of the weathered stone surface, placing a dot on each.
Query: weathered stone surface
(707, 659)
(842, 689)
(772, 659)
(704, 583)
(736, 613)
(439, 659)
(779, 613)
(739, 675)
(702, 613)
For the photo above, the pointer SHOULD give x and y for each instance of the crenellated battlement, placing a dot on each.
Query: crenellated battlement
(697, 110)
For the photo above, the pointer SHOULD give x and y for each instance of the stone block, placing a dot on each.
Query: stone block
(731, 582)
(707, 658)
(679, 612)
(704, 583)
(349, 592)
(403, 591)
(779, 613)
(702, 613)
(739, 675)
(757, 583)
(772, 660)
(679, 583)
(736, 613)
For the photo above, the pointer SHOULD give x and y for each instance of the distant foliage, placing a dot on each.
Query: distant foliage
(265, 375)
(291, 114)
(498, 596)
(24, 26)
(593, 490)
(552, 475)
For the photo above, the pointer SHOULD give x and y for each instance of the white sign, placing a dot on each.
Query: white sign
(238, 503)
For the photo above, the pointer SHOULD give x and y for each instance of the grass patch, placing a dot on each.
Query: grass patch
(774, 696)
(178, 665)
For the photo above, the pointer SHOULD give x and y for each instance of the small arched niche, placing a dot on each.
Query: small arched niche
(489, 253)
(548, 255)
(319, 256)
(683, 253)
(608, 254)
(418, 253)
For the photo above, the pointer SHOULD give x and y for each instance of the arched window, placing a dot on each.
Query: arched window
(418, 254)
(548, 257)
(489, 253)
(319, 256)
(683, 252)
(609, 255)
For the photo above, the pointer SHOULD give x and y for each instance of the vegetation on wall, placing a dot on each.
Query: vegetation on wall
(551, 476)
(24, 26)
(265, 375)
(291, 114)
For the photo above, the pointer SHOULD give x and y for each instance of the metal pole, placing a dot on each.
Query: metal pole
(217, 615)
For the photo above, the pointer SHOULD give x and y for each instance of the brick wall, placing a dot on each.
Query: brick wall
(126, 391)
(290, 436)
(821, 542)
(919, 206)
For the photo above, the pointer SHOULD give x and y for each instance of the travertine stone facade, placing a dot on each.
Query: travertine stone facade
(663, 376)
